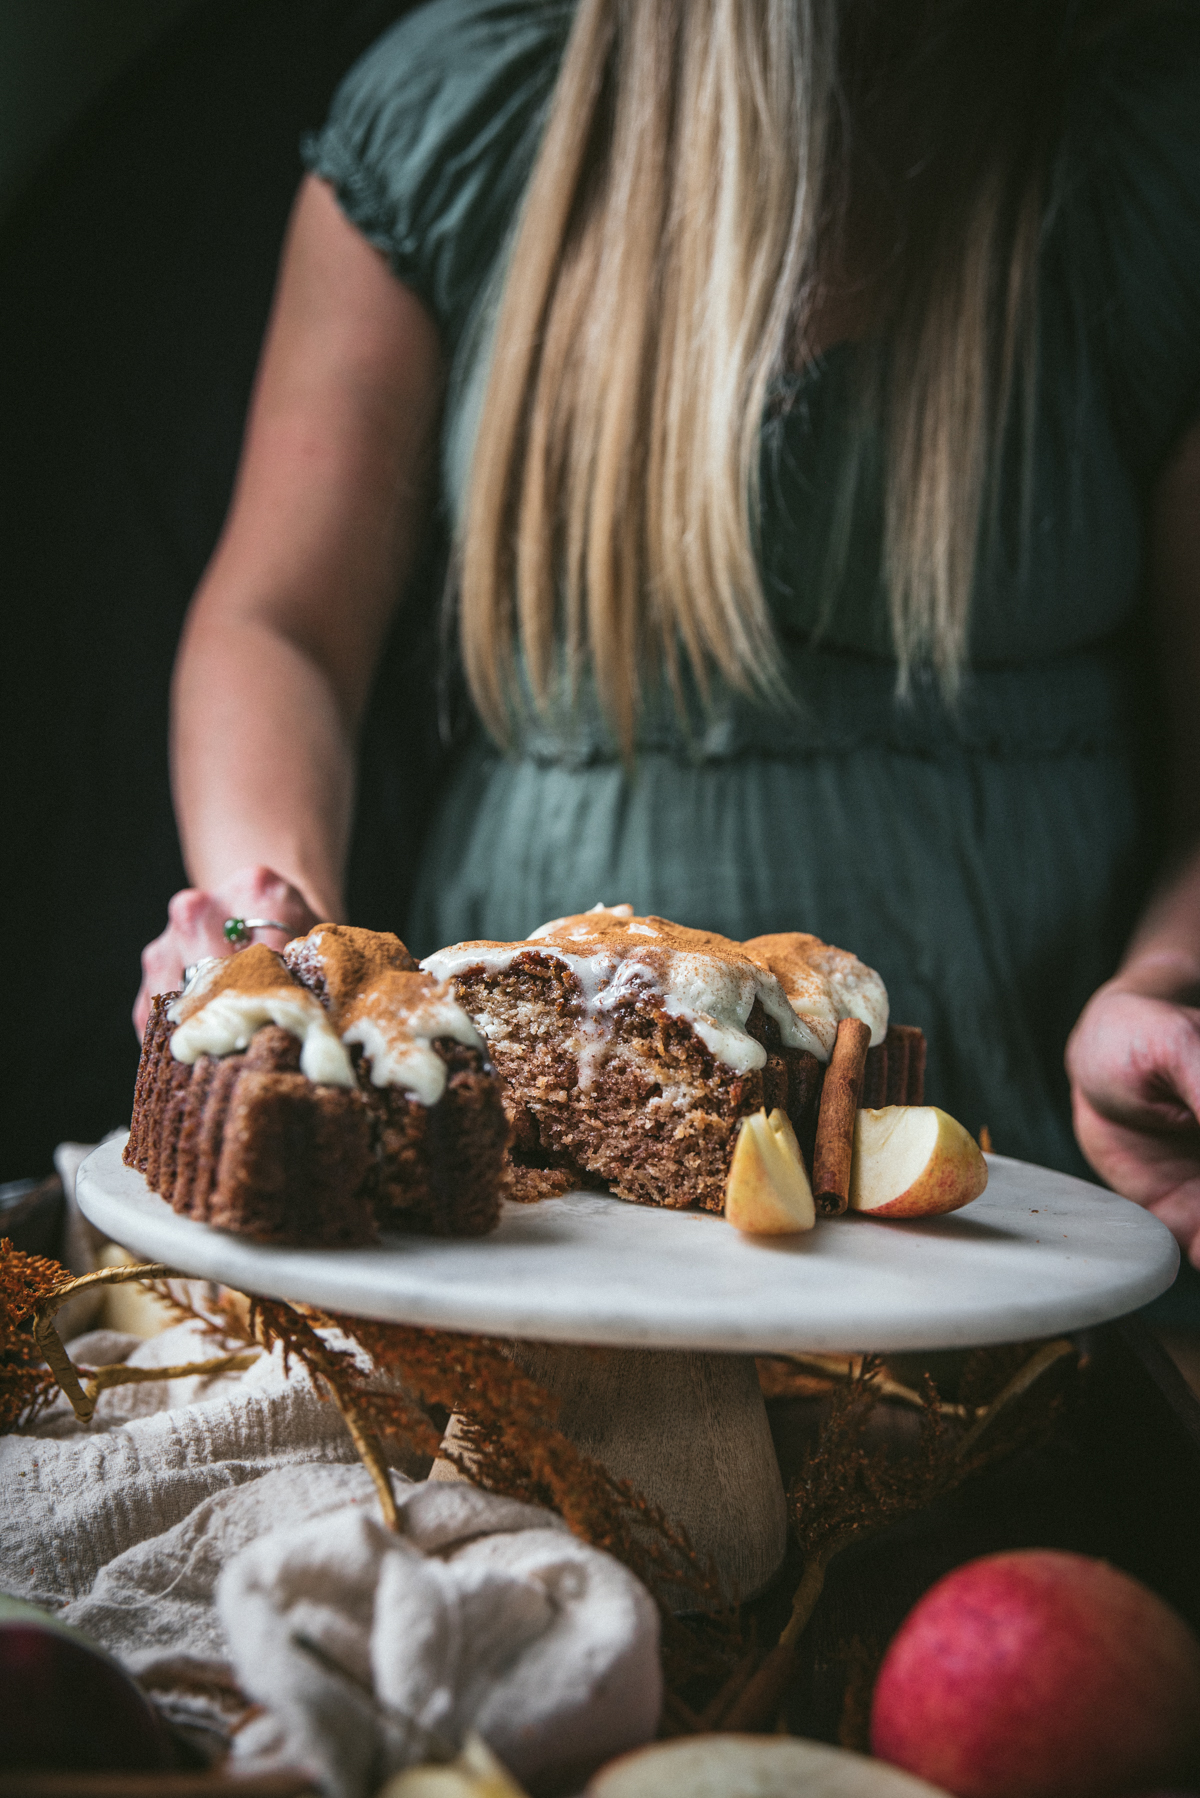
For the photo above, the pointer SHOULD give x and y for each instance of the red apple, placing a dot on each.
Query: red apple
(1040, 1675)
(67, 1705)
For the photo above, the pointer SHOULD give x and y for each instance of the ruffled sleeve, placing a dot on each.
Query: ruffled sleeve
(1137, 140)
(432, 136)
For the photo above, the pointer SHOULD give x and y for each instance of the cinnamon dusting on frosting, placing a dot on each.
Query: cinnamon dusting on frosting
(252, 971)
(824, 984)
(229, 998)
(709, 980)
(396, 1021)
(335, 987)
(340, 961)
(615, 957)
(364, 988)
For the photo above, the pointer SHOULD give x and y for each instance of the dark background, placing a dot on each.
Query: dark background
(136, 270)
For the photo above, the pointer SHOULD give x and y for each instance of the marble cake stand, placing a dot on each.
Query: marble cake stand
(683, 1303)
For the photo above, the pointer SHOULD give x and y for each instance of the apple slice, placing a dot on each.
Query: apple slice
(913, 1161)
(475, 1773)
(766, 1190)
(738, 1766)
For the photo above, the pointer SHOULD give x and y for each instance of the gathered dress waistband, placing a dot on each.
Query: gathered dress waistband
(1077, 703)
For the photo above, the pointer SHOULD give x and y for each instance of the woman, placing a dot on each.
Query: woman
(817, 384)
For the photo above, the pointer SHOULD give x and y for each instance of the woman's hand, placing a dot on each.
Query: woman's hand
(1134, 1063)
(195, 927)
(1134, 1055)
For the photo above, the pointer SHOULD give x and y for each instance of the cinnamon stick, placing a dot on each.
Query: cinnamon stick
(840, 1096)
(900, 1060)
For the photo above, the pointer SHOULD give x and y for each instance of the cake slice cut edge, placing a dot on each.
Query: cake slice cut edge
(631, 1048)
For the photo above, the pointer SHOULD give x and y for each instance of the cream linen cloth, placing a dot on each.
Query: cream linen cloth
(221, 1538)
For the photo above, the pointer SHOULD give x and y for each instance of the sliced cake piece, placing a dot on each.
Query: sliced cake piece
(434, 1101)
(438, 1129)
(631, 1048)
(315, 1096)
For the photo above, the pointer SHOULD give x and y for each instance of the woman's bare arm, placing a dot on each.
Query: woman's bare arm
(1134, 1056)
(283, 636)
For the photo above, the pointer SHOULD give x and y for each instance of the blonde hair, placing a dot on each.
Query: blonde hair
(666, 260)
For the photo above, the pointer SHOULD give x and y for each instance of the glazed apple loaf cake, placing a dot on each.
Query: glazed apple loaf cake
(320, 1095)
(631, 1048)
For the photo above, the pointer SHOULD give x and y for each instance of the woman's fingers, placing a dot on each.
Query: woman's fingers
(1137, 1059)
(196, 928)
(1140, 1163)
(1134, 1064)
(1180, 1212)
(1160, 1170)
(259, 892)
(195, 923)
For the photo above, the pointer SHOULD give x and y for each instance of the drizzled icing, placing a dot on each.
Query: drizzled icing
(228, 998)
(397, 1021)
(697, 975)
(824, 985)
(374, 997)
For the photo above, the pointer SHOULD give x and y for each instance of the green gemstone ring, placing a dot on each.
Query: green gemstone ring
(236, 930)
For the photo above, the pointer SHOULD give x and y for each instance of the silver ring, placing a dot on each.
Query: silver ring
(236, 930)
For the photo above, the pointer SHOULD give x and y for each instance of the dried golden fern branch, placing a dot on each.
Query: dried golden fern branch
(846, 1492)
(50, 1342)
(33, 1358)
(341, 1374)
(811, 1376)
(225, 1315)
(99, 1379)
(27, 1385)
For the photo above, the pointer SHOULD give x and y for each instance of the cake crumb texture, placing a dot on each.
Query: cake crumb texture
(657, 1113)
(631, 1048)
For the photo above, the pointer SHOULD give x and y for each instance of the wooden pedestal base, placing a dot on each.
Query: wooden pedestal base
(688, 1431)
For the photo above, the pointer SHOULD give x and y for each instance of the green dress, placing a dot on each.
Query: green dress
(988, 862)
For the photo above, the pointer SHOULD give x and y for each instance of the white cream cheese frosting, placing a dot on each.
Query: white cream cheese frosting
(379, 1002)
(708, 980)
(376, 999)
(824, 985)
(217, 1017)
(397, 1022)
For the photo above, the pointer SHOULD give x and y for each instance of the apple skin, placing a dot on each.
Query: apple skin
(954, 1173)
(67, 1705)
(767, 1190)
(1037, 1674)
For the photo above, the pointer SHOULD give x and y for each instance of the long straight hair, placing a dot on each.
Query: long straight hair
(691, 186)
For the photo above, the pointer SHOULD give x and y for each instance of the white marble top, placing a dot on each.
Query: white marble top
(1038, 1253)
